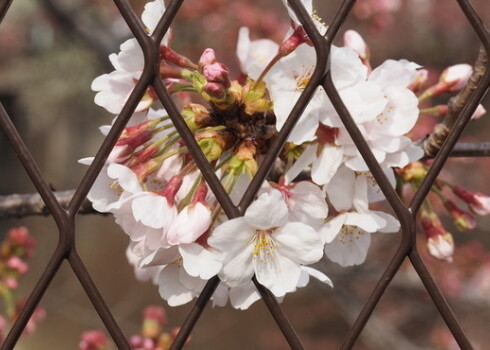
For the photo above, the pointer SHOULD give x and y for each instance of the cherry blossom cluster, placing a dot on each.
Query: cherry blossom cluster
(179, 236)
(152, 335)
(15, 251)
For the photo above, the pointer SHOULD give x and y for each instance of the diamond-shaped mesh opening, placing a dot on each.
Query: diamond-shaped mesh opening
(65, 217)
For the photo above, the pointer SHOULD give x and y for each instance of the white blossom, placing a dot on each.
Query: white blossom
(266, 245)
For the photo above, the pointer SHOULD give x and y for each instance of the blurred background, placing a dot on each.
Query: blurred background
(51, 50)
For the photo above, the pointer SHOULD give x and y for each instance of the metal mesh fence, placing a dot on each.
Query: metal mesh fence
(65, 216)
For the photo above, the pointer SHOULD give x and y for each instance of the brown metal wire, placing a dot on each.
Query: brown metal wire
(65, 217)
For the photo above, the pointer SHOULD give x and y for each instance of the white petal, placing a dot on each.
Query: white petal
(287, 278)
(331, 229)
(242, 297)
(231, 235)
(299, 242)
(200, 262)
(238, 270)
(306, 158)
(126, 178)
(170, 287)
(365, 221)
(341, 189)
(307, 204)
(272, 203)
(327, 164)
(190, 224)
(161, 256)
(265, 260)
(220, 295)
(153, 210)
(391, 224)
(348, 251)
(318, 275)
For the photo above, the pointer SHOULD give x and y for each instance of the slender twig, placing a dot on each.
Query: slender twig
(22, 205)
(434, 141)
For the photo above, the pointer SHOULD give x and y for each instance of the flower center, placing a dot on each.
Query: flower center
(303, 79)
(349, 233)
(264, 246)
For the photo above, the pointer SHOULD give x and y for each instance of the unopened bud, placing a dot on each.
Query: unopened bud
(478, 202)
(135, 136)
(354, 41)
(154, 318)
(164, 341)
(175, 331)
(440, 243)
(463, 220)
(120, 154)
(93, 340)
(144, 154)
(441, 247)
(479, 112)
(208, 57)
(420, 79)
(15, 263)
(143, 170)
(217, 73)
(456, 77)
(11, 283)
(200, 194)
(326, 134)
(215, 91)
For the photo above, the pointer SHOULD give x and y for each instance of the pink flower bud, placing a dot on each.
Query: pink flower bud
(137, 135)
(38, 316)
(136, 342)
(479, 112)
(455, 78)
(419, 80)
(463, 220)
(143, 170)
(174, 333)
(120, 154)
(326, 134)
(215, 90)
(15, 263)
(20, 236)
(11, 283)
(171, 188)
(217, 73)
(478, 203)
(441, 247)
(354, 41)
(93, 340)
(440, 243)
(208, 57)
(155, 313)
(144, 155)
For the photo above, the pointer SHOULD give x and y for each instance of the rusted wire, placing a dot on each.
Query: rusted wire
(65, 218)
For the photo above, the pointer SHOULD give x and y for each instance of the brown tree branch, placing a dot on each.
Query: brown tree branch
(22, 205)
(433, 143)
